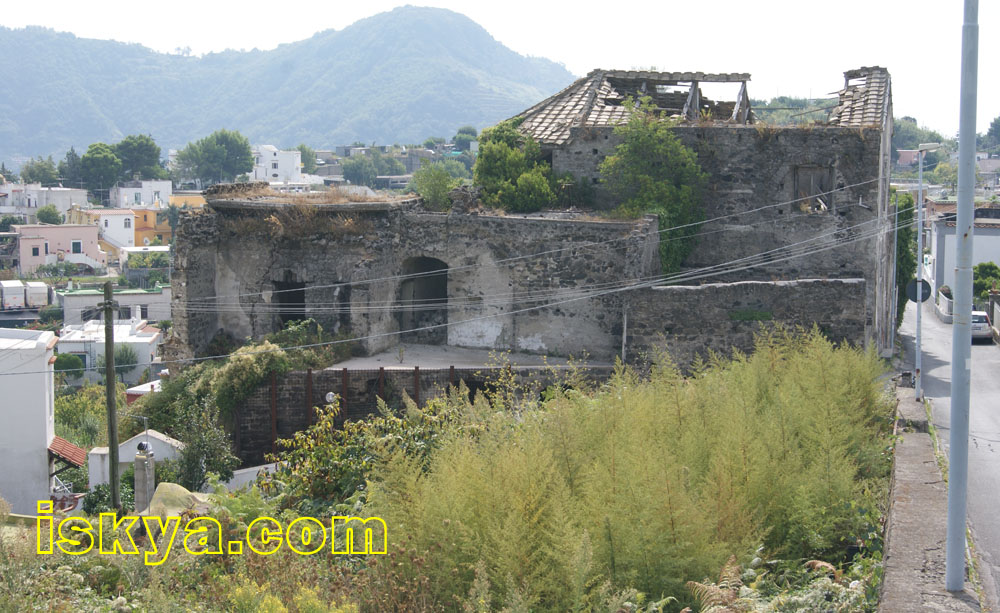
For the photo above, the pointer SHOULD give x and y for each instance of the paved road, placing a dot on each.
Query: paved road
(984, 426)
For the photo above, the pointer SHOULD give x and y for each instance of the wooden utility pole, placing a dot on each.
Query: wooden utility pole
(111, 385)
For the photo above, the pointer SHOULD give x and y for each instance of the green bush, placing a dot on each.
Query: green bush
(69, 362)
(648, 484)
(98, 499)
(51, 313)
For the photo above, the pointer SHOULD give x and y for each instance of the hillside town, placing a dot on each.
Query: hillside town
(685, 345)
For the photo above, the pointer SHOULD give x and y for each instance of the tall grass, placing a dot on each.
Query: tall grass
(647, 484)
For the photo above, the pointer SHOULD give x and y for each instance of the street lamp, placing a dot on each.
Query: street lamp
(922, 149)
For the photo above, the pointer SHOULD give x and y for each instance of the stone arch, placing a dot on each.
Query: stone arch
(422, 301)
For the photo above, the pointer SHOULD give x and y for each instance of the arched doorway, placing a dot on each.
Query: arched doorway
(422, 301)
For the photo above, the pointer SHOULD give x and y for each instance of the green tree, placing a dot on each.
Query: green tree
(126, 359)
(433, 142)
(7, 221)
(206, 446)
(70, 169)
(944, 173)
(464, 136)
(8, 175)
(455, 168)
(992, 139)
(308, 158)
(69, 362)
(100, 167)
(173, 217)
(140, 156)
(651, 171)
(906, 250)
(906, 134)
(433, 182)
(360, 170)
(504, 155)
(40, 171)
(985, 276)
(221, 156)
(533, 192)
(49, 214)
(386, 165)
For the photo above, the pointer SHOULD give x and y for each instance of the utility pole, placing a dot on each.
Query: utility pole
(110, 387)
(921, 150)
(961, 333)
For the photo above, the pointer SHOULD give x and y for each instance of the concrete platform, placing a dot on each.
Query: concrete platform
(916, 532)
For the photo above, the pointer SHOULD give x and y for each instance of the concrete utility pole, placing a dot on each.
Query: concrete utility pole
(110, 388)
(921, 150)
(961, 333)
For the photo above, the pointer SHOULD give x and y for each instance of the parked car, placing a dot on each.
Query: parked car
(981, 327)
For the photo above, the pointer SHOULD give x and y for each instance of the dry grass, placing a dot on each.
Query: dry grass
(261, 191)
(298, 220)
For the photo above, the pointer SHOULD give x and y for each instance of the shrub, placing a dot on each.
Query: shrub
(647, 484)
(98, 499)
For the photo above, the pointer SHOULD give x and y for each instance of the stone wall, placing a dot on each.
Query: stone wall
(722, 317)
(749, 167)
(350, 258)
(255, 426)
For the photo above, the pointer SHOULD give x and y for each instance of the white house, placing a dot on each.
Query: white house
(941, 261)
(24, 199)
(155, 194)
(163, 446)
(30, 453)
(87, 342)
(117, 226)
(80, 305)
(275, 166)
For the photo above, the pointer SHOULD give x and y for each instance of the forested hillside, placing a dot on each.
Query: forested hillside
(396, 77)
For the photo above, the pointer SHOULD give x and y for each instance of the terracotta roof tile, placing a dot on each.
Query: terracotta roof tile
(595, 100)
(66, 450)
(865, 102)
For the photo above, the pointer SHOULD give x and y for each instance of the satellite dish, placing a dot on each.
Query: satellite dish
(330, 397)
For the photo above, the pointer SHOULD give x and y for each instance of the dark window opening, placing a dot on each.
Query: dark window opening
(423, 301)
(813, 189)
(290, 296)
(34, 251)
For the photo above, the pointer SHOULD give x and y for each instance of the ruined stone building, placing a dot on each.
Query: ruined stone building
(568, 285)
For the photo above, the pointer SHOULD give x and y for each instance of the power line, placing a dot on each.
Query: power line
(687, 276)
(533, 255)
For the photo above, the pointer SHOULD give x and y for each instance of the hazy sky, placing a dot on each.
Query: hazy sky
(789, 47)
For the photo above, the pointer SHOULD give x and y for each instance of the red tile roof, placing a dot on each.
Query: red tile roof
(66, 450)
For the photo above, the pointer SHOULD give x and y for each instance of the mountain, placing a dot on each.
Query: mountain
(396, 77)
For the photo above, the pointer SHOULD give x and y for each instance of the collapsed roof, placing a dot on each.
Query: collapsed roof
(597, 100)
(865, 99)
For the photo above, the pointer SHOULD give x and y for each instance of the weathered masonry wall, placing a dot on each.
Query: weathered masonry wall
(348, 260)
(284, 406)
(722, 317)
(848, 233)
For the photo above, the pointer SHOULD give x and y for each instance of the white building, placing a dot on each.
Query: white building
(941, 260)
(163, 446)
(80, 305)
(87, 342)
(143, 194)
(29, 449)
(275, 166)
(117, 227)
(24, 199)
